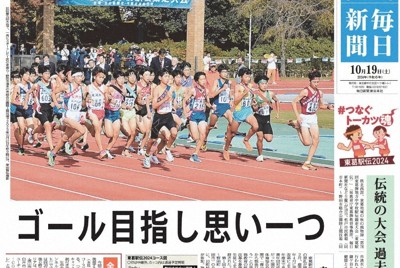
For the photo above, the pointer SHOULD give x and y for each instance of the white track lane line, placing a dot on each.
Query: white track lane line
(60, 189)
(157, 175)
(106, 180)
(246, 178)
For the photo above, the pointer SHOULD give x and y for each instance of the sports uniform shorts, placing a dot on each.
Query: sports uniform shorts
(142, 111)
(99, 113)
(127, 115)
(21, 112)
(178, 112)
(241, 116)
(112, 115)
(198, 117)
(161, 120)
(221, 109)
(308, 120)
(264, 123)
(46, 114)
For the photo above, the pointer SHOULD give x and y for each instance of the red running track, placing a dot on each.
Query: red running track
(85, 177)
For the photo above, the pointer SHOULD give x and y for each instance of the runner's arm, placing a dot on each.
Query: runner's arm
(277, 104)
(324, 106)
(239, 94)
(301, 95)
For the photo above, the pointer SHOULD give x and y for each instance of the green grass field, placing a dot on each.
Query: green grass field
(325, 118)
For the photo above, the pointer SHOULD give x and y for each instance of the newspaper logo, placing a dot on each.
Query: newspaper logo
(110, 262)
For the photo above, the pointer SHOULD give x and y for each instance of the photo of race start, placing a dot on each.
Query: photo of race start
(171, 101)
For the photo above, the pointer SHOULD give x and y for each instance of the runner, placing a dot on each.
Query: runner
(310, 99)
(128, 113)
(23, 100)
(262, 105)
(187, 84)
(75, 94)
(115, 96)
(44, 106)
(198, 123)
(243, 111)
(96, 107)
(223, 97)
(143, 106)
(162, 105)
(15, 80)
(178, 95)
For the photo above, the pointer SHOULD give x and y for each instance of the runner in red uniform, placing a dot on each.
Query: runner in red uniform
(310, 100)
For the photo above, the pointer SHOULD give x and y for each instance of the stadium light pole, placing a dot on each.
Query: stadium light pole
(250, 41)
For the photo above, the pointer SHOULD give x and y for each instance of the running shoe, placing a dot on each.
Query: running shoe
(190, 140)
(30, 136)
(146, 162)
(169, 157)
(195, 158)
(141, 152)
(21, 151)
(226, 155)
(248, 145)
(126, 153)
(38, 144)
(103, 154)
(308, 166)
(131, 149)
(52, 158)
(204, 147)
(68, 148)
(85, 147)
(260, 158)
(109, 155)
(154, 160)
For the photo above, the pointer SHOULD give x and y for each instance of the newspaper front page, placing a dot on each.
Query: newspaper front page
(352, 226)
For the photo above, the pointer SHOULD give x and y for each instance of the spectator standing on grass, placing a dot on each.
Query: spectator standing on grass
(22, 49)
(117, 60)
(206, 62)
(65, 55)
(271, 68)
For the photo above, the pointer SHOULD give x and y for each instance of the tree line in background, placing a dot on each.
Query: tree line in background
(289, 28)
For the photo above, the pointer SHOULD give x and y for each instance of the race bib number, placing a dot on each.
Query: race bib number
(263, 110)
(246, 102)
(223, 97)
(44, 97)
(129, 102)
(312, 107)
(98, 104)
(199, 105)
(31, 101)
(116, 103)
(74, 105)
(22, 97)
(179, 101)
